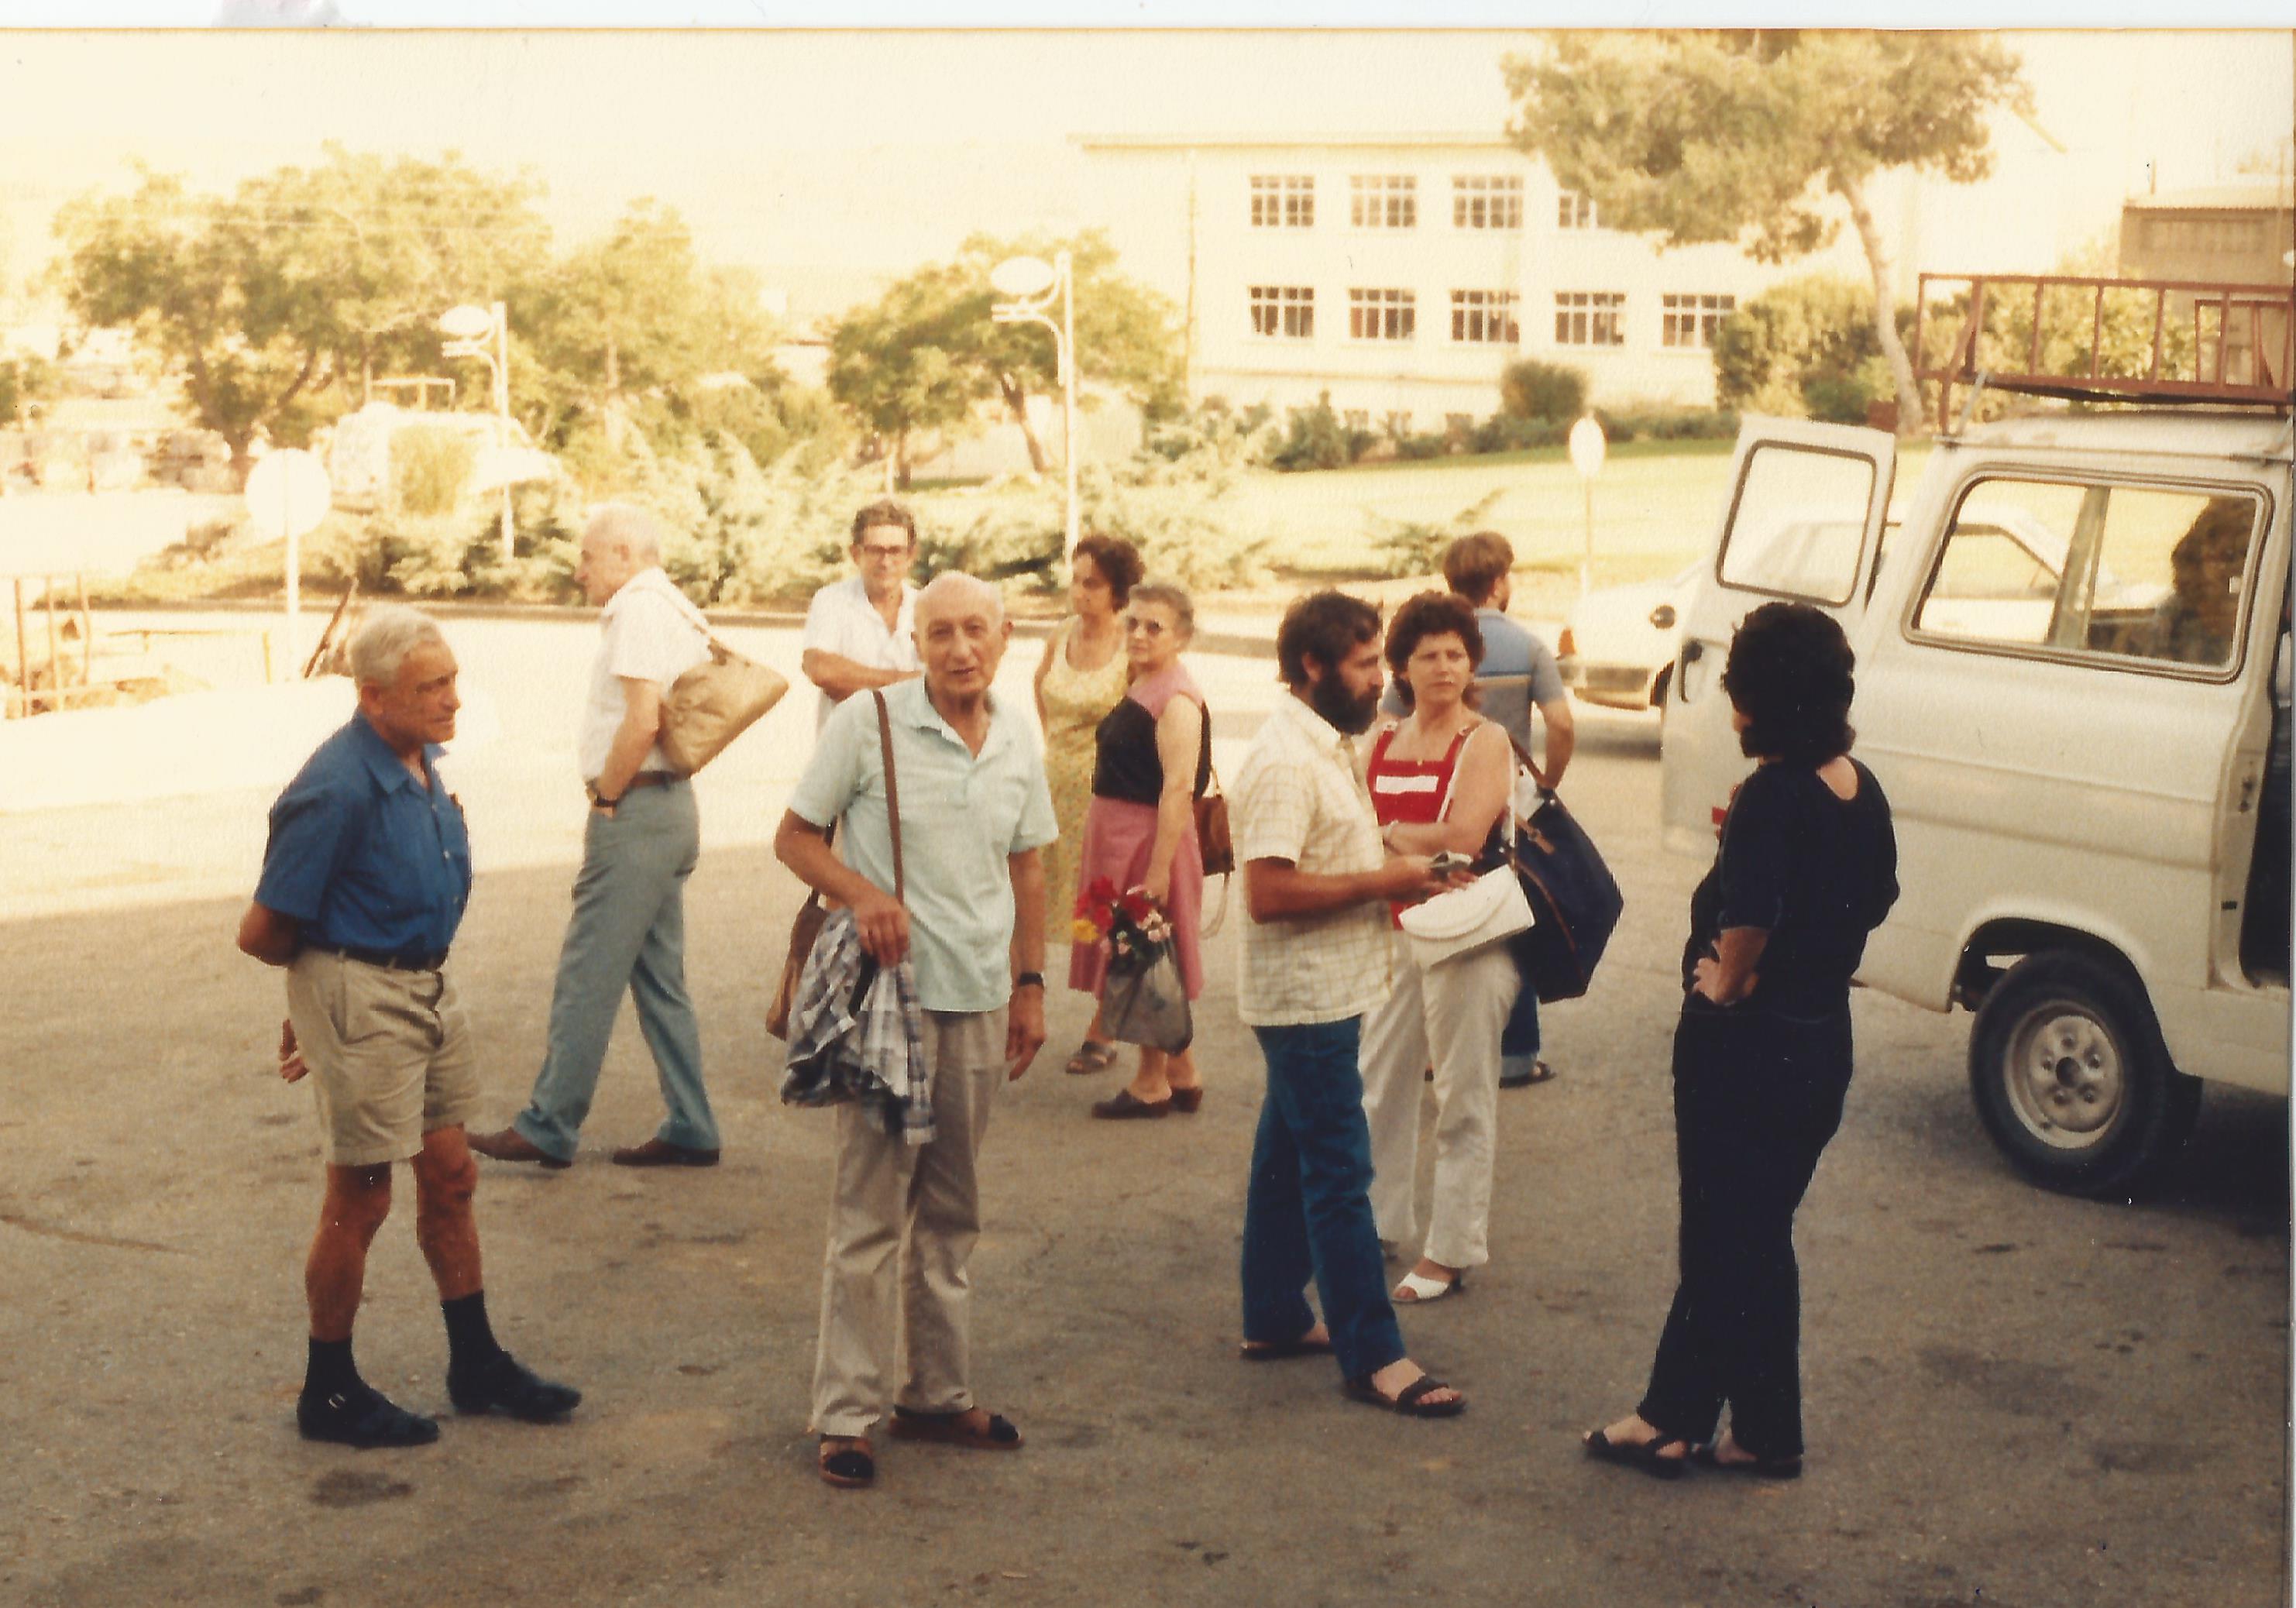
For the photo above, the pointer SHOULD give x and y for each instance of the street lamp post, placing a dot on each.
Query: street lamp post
(1032, 283)
(484, 332)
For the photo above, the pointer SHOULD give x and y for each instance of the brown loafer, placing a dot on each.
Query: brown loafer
(511, 1145)
(661, 1153)
(1190, 1100)
(1124, 1104)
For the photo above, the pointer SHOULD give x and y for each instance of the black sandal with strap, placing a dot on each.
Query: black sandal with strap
(1411, 1402)
(1641, 1456)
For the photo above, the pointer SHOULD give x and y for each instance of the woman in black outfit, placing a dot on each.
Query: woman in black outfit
(1808, 867)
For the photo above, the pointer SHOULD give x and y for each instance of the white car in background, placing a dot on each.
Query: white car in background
(1618, 646)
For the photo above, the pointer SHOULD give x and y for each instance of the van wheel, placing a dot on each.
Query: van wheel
(2071, 1078)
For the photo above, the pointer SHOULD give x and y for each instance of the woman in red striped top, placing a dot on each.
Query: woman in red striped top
(1440, 780)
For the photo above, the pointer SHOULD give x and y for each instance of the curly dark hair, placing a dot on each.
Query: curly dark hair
(1789, 673)
(885, 511)
(1430, 614)
(1328, 623)
(1117, 559)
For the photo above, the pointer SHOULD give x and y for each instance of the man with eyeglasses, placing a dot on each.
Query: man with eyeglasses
(859, 631)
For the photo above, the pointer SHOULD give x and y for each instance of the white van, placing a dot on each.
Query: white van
(2066, 668)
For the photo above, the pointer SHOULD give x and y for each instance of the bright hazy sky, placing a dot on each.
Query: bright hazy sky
(824, 156)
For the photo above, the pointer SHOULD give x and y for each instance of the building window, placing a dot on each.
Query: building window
(1357, 418)
(1590, 318)
(2226, 236)
(1692, 320)
(1573, 210)
(1284, 201)
(1381, 314)
(1383, 201)
(1485, 201)
(1283, 309)
(1459, 424)
(1484, 318)
(1397, 424)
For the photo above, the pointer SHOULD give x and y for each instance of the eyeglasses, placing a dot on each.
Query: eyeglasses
(886, 554)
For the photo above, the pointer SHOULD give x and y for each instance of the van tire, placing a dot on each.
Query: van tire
(2071, 1078)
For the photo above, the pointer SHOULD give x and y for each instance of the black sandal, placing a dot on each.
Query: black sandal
(850, 1466)
(1411, 1400)
(1642, 1455)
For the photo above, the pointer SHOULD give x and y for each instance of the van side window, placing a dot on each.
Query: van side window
(1798, 524)
(2126, 572)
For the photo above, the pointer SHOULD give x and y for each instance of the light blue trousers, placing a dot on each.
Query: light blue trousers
(628, 931)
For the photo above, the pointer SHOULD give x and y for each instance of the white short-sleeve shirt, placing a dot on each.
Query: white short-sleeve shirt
(842, 620)
(651, 633)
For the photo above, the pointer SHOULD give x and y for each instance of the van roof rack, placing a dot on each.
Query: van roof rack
(2240, 352)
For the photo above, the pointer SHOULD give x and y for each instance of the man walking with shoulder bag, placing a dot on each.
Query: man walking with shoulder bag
(639, 845)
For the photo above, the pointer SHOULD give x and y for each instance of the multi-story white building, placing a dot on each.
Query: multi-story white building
(1403, 273)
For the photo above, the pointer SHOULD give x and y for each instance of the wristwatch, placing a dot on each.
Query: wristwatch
(1026, 978)
(597, 798)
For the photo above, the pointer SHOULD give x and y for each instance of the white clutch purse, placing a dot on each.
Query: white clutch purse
(1488, 910)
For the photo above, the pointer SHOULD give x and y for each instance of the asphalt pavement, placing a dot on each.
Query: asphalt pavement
(2012, 1398)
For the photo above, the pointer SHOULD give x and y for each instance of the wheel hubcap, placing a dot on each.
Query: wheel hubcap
(2065, 1076)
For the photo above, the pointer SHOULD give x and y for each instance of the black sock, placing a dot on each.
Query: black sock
(471, 1341)
(330, 1371)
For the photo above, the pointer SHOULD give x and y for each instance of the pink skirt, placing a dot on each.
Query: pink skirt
(1119, 836)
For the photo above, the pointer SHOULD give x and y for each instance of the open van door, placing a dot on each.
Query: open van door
(1803, 522)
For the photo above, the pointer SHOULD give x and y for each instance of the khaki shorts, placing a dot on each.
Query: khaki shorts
(390, 1052)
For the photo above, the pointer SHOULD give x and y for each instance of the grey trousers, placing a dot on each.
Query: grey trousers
(628, 935)
(903, 1220)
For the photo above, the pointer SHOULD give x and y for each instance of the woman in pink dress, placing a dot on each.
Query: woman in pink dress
(1154, 758)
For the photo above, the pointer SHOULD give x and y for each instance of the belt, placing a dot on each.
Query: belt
(405, 960)
(647, 778)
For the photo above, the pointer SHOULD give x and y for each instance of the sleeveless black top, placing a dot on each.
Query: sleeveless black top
(1126, 765)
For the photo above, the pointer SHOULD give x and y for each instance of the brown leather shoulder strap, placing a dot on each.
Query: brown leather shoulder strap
(892, 790)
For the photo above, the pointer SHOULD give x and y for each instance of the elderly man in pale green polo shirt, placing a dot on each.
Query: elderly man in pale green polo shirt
(974, 812)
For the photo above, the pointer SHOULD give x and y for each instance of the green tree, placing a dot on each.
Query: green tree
(262, 299)
(1802, 348)
(940, 352)
(1735, 134)
(635, 314)
(902, 364)
(1125, 333)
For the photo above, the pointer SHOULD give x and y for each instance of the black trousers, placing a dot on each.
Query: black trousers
(1756, 1098)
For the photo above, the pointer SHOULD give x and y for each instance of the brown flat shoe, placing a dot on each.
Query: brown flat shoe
(1122, 1104)
(661, 1153)
(511, 1145)
(997, 1434)
(1188, 1101)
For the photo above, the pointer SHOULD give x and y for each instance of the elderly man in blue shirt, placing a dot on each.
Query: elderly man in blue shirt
(365, 879)
(902, 1218)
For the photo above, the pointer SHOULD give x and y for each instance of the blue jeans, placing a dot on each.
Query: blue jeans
(628, 931)
(1307, 1211)
(1519, 1041)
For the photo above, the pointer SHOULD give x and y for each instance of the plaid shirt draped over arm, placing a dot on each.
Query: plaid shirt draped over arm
(858, 1033)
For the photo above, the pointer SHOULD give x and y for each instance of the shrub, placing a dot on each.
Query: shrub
(429, 466)
(1416, 546)
(1650, 422)
(1505, 432)
(1530, 388)
(1803, 349)
(1315, 439)
(1415, 448)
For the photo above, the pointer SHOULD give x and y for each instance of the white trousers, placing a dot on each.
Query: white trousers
(1450, 1016)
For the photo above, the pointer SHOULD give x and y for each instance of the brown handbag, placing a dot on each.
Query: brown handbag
(1212, 839)
(805, 929)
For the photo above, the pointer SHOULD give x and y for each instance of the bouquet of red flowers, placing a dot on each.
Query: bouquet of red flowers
(1144, 1001)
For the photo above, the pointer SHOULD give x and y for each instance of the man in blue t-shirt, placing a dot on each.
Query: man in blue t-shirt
(1517, 674)
(364, 878)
